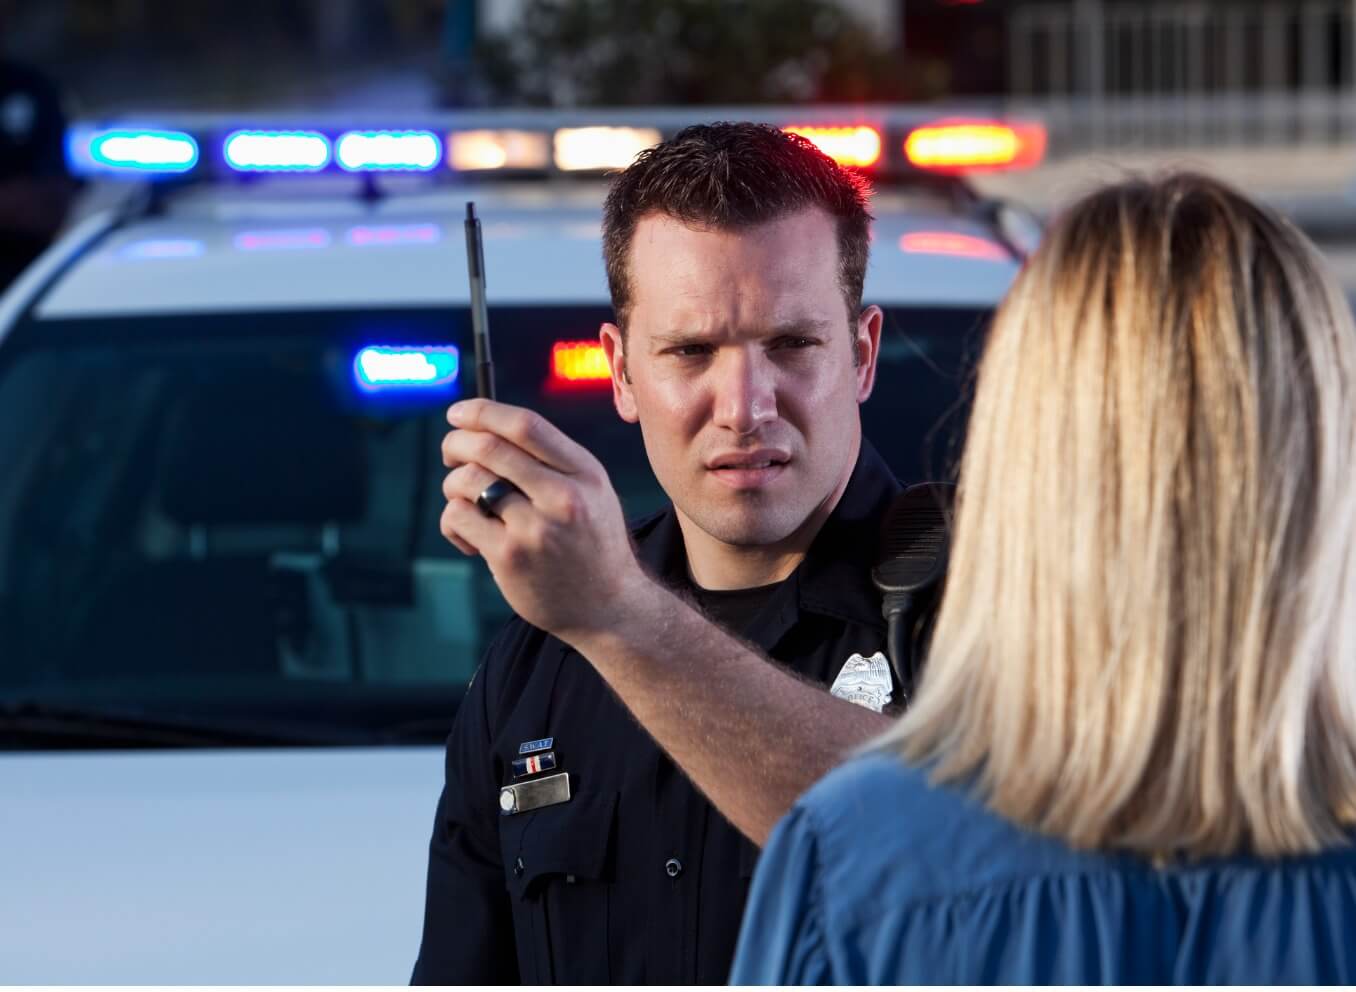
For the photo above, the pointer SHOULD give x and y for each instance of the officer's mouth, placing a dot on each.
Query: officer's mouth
(749, 469)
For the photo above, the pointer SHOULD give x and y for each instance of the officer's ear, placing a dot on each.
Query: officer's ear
(614, 347)
(866, 349)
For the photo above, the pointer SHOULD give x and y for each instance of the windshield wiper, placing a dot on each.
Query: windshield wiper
(34, 723)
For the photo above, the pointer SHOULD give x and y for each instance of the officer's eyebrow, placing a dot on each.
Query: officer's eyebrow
(801, 327)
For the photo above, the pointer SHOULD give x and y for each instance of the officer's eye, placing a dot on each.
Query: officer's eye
(794, 342)
(690, 350)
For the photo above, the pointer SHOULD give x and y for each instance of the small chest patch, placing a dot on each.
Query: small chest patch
(865, 681)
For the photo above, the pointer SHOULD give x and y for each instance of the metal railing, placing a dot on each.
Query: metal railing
(1080, 124)
(1188, 74)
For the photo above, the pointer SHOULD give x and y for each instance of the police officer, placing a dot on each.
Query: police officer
(576, 842)
(36, 190)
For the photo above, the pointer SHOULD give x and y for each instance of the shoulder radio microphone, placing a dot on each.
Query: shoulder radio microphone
(910, 572)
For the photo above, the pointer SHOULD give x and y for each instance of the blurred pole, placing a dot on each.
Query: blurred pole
(460, 26)
(1090, 25)
(1193, 58)
(1064, 79)
(1351, 68)
(1273, 67)
(1314, 68)
(1019, 54)
(903, 38)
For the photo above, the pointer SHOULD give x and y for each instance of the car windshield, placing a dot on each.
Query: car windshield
(220, 519)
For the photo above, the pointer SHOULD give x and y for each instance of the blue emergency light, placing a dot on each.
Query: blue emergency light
(131, 150)
(381, 368)
(388, 151)
(277, 151)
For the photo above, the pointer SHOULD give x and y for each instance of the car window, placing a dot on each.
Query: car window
(210, 517)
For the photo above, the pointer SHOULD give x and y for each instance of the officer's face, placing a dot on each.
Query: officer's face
(740, 360)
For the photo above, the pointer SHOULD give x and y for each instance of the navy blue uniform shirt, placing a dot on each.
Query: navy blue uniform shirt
(637, 878)
(877, 877)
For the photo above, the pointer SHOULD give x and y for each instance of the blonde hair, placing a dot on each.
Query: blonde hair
(1146, 640)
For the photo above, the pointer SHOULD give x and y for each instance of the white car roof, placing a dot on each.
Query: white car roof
(225, 249)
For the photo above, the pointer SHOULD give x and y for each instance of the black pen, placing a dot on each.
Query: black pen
(480, 334)
(480, 317)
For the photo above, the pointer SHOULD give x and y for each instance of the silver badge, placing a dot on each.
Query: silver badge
(523, 797)
(865, 681)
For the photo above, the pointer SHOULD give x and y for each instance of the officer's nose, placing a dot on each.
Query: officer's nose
(745, 390)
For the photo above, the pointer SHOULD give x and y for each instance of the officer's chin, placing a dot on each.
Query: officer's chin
(754, 527)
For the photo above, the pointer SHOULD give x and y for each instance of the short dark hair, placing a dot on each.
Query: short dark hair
(732, 176)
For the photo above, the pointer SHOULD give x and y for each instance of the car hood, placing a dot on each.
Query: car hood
(214, 867)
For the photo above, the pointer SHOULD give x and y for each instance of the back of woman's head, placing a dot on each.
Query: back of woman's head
(1147, 636)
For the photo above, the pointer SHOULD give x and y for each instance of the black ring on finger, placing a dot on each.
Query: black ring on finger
(492, 495)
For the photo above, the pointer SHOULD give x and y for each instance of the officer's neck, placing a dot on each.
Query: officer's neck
(716, 565)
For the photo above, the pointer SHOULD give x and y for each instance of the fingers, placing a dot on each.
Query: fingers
(464, 484)
(446, 528)
(501, 459)
(468, 529)
(525, 430)
(467, 482)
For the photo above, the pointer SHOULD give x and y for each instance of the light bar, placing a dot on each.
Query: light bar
(856, 147)
(954, 244)
(378, 368)
(595, 149)
(952, 146)
(388, 151)
(476, 151)
(131, 150)
(579, 363)
(277, 151)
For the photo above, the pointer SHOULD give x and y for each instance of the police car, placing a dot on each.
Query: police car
(232, 639)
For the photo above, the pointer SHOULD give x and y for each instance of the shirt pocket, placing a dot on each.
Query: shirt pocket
(561, 871)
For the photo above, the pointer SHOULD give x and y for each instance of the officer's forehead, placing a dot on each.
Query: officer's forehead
(791, 256)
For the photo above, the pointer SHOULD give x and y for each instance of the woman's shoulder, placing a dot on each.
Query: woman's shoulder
(881, 788)
(870, 772)
(881, 825)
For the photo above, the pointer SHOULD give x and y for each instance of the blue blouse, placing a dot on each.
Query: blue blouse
(878, 877)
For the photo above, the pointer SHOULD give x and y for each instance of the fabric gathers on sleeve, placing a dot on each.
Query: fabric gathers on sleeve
(782, 939)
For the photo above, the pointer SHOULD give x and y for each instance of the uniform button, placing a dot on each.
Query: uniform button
(518, 868)
(673, 867)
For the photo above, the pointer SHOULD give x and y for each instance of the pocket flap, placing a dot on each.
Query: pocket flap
(573, 839)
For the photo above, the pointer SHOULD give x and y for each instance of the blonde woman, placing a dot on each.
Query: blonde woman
(1133, 754)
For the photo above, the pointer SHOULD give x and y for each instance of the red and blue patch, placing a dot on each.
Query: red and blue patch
(534, 765)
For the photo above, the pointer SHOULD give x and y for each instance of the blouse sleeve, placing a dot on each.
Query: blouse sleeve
(782, 940)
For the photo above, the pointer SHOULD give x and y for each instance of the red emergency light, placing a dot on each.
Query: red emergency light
(966, 145)
(579, 364)
(857, 146)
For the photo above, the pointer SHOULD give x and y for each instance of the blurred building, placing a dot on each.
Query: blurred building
(1197, 47)
(257, 52)
(1071, 48)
